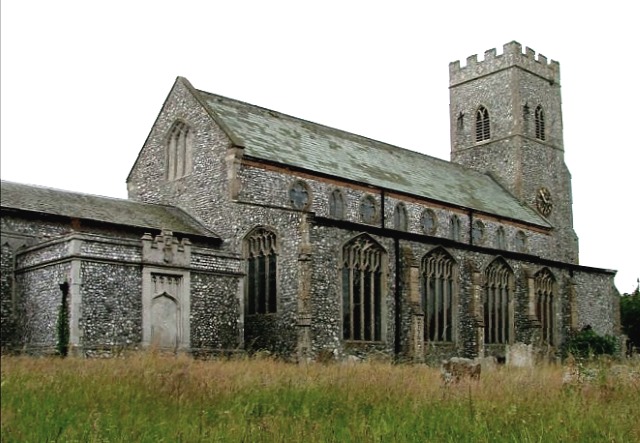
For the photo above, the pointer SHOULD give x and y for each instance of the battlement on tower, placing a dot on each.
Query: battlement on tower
(512, 56)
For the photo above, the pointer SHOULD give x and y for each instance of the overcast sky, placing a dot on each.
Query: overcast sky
(83, 81)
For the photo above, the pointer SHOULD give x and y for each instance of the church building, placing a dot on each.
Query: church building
(250, 230)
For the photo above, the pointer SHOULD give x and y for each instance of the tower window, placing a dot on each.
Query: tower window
(483, 131)
(540, 134)
(179, 150)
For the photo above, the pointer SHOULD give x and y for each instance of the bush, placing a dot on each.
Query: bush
(587, 344)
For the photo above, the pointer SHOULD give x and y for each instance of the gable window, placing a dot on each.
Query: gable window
(261, 256)
(178, 158)
(439, 296)
(545, 308)
(362, 282)
(539, 116)
(400, 217)
(454, 228)
(337, 205)
(501, 238)
(498, 300)
(368, 210)
(483, 131)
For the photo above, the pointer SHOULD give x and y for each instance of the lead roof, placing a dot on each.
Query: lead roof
(102, 209)
(275, 137)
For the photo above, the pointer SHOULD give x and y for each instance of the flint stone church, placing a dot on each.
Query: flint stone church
(247, 229)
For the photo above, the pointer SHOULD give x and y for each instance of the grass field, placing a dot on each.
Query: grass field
(151, 398)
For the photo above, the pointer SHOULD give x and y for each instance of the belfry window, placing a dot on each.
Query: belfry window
(540, 134)
(362, 283)
(400, 217)
(261, 257)
(483, 130)
(178, 158)
(439, 296)
(545, 308)
(499, 289)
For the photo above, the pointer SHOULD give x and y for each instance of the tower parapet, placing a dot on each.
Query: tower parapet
(512, 56)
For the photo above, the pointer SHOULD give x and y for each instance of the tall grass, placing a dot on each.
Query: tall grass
(154, 398)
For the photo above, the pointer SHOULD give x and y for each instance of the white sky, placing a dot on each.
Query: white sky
(83, 81)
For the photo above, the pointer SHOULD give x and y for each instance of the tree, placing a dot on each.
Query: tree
(630, 317)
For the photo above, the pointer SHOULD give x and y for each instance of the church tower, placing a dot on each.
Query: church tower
(506, 120)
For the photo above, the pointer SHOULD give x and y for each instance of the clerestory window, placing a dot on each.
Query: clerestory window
(439, 296)
(337, 205)
(362, 289)
(539, 116)
(400, 221)
(178, 151)
(454, 228)
(498, 300)
(483, 130)
(261, 257)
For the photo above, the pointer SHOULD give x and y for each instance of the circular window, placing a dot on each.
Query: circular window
(299, 195)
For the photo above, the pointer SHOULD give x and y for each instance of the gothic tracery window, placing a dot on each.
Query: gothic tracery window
(545, 308)
(483, 130)
(400, 217)
(539, 117)
(439, 295)
(362, 289)
(261, 257)
(178, 158)
(498, 299)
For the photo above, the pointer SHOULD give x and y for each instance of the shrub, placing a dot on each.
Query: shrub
(587, 344)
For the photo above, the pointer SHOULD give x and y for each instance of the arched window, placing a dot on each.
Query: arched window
(439, 295)
(454, 228)
(337, 205)
(540, 134)
(400, 217)
(521, 241)
(261, 255)
(478, 232)
(483, 131)
(545, 307)
(178, 160)
(498, 299)
(501, 238)
(362, 288)
(369, 210)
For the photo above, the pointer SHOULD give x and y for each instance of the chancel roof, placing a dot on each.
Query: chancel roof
(280, 138)
(101, 209)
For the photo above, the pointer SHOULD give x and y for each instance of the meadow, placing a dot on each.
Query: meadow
(156, 398)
